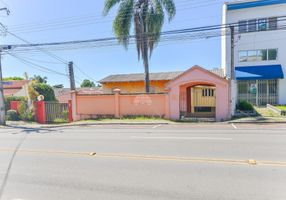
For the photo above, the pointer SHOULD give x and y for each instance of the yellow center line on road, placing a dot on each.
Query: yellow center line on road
(152, 157)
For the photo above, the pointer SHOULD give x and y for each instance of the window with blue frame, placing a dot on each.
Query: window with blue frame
(262, 24)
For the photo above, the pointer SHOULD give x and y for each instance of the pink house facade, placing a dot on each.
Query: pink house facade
(195, 93)
(180, 99)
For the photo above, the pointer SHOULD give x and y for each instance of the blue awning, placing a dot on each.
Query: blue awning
(259, 72)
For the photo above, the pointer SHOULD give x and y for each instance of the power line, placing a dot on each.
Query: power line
(190, 33)
(44, 51)
(78, 22)
(36, 66)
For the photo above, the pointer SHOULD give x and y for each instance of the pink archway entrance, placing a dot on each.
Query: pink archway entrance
(198, 92)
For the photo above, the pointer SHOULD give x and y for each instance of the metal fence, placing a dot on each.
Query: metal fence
(258, 92)
(56, 111)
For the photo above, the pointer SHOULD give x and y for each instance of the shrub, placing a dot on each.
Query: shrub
(244, 106)
(12, 98)
(46, 90)
(23, 111)
(12, 115)
(65, 114)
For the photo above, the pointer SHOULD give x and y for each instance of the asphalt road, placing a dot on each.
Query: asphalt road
(197, 161)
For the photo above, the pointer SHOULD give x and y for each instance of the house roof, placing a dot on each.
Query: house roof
(153, 76)
(140, 77)
(13, 87)
(15, 84)
(216, 72)
(63, 95)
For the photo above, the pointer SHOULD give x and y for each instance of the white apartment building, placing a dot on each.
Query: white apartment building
(259, 50)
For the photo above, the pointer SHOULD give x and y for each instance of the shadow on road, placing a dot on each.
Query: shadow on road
(29, 130)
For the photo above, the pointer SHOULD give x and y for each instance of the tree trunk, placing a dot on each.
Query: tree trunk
(2, 103)
(146, 70)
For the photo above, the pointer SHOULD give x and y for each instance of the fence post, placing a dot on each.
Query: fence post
(70, 111)
(74, 105)
(41, 113)
(167, 104)
(116, 98)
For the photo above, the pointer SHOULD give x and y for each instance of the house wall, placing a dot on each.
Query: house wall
(274, 39)
(133, 87)
(118, 105)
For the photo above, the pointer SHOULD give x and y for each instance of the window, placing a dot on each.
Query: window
(203, 109)
(272, 23)
(242, 26)
(207, 92)
(242, 56)
(261, 55)
(258, 55)
(262, 24)
(251, 56)
(252, 25)
(272, 54)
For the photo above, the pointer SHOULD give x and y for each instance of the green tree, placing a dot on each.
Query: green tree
(14, 78)
(148, 19)
(87, 83)
(40, 79)
(45, 90)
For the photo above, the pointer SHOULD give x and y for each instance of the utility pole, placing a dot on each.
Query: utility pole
(232, 52)
(71, 76)
(2, 102)
(232, 89)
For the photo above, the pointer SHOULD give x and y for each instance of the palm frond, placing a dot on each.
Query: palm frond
(108, 5)
(123, 21)
(155, 21)
(170, 8)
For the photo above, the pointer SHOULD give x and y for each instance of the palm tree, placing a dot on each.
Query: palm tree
(148, 18)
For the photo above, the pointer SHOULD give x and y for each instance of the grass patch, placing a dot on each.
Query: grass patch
(60, 121)
(265, 112)
(281, 107)
(130, 119)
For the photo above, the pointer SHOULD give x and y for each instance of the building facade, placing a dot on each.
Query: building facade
(134, 83)
(16, 88)
(259, 51)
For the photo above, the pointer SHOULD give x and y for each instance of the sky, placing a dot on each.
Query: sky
(39, 21)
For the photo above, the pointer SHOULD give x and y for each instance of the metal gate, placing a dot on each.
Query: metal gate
(266, 91)
(56, 111)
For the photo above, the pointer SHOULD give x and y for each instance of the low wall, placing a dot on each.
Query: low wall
(119, 105)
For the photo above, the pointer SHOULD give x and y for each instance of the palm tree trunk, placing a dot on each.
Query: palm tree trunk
(146, 70)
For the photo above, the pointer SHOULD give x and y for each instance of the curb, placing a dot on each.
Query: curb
(88, 124)
(265, 122)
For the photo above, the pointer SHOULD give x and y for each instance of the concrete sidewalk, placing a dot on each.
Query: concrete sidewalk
(250, 120)
(88, 122)
(259, 119)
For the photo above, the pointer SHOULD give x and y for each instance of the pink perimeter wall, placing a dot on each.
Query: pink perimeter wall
(117, 105)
